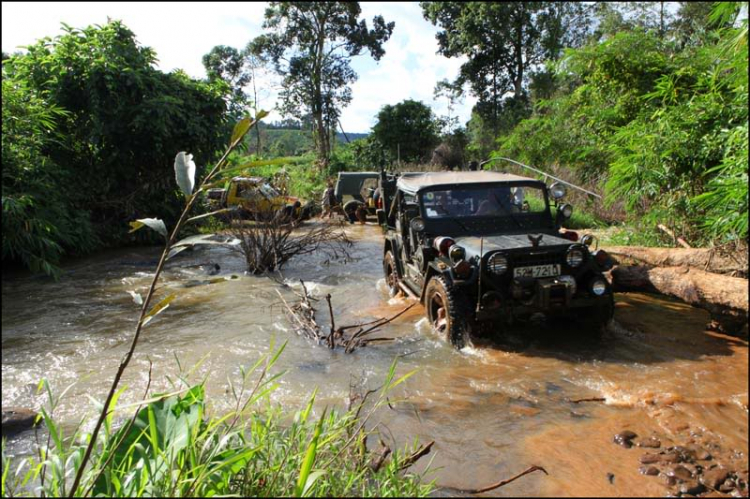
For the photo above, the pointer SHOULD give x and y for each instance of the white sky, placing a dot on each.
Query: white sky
(181, 33)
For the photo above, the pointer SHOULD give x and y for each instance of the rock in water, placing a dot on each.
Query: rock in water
(16, 420)
(651, 443)
(625, 438)
(714, 477)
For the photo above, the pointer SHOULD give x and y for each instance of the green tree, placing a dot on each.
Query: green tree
(311, 45)
(409, 130)
(227, 64)
(504, 42)
(124, 121)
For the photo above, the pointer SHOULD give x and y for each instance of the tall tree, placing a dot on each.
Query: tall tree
(504, 42)
(407, 130)
(227, 64)
(311, 45)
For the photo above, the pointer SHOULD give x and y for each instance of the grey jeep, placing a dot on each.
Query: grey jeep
(483, 248)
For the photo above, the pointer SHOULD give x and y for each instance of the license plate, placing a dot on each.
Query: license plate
(537, 271)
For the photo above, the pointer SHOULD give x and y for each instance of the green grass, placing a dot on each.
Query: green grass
(172, 448)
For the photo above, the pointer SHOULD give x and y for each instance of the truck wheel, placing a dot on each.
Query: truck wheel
(391, 274)
(448, 311)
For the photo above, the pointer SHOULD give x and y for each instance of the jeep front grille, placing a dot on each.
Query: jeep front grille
(529, 260)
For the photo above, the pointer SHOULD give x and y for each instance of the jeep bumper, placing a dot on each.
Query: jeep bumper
(547, 296)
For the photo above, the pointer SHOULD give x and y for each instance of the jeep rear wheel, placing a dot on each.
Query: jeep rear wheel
(448, 312)
(391, 274)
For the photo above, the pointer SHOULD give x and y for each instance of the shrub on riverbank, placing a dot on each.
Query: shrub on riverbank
(171, 448)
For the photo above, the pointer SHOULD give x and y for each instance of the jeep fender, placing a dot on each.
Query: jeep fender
(432, 270)
(391, 244)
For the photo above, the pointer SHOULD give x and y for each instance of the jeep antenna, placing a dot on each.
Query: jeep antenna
(495, 158)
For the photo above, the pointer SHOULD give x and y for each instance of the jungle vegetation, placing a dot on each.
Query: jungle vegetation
(644, 103)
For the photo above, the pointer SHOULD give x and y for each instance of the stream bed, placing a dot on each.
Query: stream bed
(492, 409)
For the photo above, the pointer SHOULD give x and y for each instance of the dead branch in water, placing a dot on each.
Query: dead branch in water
(498, 484)
(416, 456)
(269, 241)
(590, 399)
(302, 317)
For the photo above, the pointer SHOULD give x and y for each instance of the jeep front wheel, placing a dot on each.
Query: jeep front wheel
(391, 273)
(448, 311)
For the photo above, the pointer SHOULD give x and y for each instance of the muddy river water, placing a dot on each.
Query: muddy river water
(492, 409)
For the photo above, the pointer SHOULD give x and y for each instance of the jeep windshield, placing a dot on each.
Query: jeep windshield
(501, 206)
(268, 191)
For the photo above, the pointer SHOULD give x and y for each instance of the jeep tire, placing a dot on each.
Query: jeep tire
(391, 273)
(594, 320)
(448, 311)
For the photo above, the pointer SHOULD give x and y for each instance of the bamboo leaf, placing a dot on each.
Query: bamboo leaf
(158, 308)
(307, 464)
(153, 223)
(184, 171)
(240, 129)
(311, 481)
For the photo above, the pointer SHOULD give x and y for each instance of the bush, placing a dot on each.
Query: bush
(171, 448)
(39, 225)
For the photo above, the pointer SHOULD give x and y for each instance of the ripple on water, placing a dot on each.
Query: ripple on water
(491, 408)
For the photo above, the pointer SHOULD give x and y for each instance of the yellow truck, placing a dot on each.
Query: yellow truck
(255, 198)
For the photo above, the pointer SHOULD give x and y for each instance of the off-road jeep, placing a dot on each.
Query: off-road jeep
(254, 196)
(357, 191)
(482, 248)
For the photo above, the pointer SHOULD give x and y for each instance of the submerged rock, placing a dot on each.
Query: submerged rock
(648, 470)
(680, 472)
(651, 443)
(17, 419)
(650, 458)
(625, 438)
(714, 477)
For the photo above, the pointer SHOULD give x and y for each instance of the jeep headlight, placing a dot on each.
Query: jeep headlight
(497, 264)
(574, 258)
(599, 287)
(557, 190)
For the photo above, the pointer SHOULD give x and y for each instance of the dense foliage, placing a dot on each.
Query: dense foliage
(38, 222)
(661, 121)
(174, 447)
(103, 153)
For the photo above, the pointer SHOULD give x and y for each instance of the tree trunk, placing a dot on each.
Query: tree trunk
(726, 298)
(708, 259)
(518, 83)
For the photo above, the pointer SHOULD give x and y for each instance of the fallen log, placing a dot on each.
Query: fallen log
(725, 297)
(716, 260)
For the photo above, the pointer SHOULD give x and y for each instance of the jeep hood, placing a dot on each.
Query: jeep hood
(473, 244)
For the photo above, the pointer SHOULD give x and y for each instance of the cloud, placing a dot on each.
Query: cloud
(182, 33)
